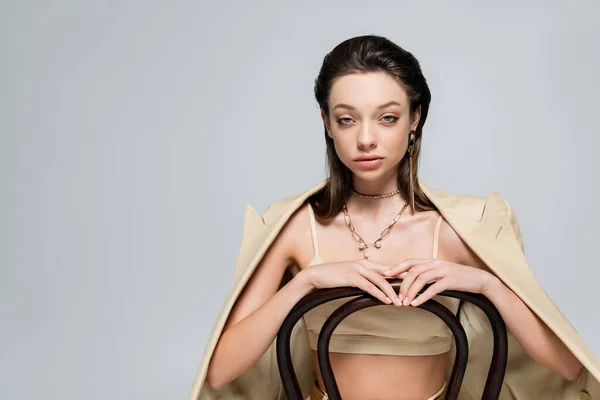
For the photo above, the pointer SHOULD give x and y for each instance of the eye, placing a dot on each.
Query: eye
(340, 121)
(394, 119)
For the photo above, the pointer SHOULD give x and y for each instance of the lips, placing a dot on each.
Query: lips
(367, 158)
(369, 163)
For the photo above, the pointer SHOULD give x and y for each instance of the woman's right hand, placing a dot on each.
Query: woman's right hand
(361, 273)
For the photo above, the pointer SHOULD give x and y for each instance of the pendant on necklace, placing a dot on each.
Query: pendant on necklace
(364, 247)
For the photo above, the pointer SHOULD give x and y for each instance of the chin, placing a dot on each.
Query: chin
(370, 175)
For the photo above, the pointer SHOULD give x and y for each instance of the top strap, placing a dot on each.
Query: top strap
(436, 235)
(313, 228)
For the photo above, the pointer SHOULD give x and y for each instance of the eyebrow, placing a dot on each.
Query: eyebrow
(349, 107)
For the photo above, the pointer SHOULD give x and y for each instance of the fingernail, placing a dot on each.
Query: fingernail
(397, 301)
(387, 272)
(387, 299)
(414, 302)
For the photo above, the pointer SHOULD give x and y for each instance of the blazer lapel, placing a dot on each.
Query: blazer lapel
(486, 228)
(252, 233)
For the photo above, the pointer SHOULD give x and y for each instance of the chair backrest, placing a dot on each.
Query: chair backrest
(289, 380)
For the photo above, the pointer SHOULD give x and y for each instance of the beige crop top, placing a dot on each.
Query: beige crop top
(403, 330)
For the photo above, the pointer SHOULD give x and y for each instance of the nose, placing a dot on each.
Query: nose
(366, 137)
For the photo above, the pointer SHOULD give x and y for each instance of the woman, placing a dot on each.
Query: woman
(373, 220)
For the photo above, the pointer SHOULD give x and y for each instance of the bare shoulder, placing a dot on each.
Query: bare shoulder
(268, 274)
(296, 237)
(456, 250)
(291, 242)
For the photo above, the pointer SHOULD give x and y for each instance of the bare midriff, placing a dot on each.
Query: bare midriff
(386, 377)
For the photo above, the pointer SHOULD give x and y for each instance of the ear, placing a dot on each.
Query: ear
(415, 118)
(326, 122)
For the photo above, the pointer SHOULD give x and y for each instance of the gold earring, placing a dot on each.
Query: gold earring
(411, 147)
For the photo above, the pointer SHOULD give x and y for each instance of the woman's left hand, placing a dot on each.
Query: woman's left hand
(445, 275)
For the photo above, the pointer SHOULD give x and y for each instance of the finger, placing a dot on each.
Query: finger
(374, 266)
(405, 265)
(369, 287)
(384, 285)
(424, 278)
(431, 291)
(412, 274)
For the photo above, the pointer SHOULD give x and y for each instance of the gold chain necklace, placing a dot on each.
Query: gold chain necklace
(362, 244)
(375, 196)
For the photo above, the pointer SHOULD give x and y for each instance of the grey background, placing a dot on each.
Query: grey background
(134, 132)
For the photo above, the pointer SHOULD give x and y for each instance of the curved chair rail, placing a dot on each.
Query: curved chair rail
(496, 371)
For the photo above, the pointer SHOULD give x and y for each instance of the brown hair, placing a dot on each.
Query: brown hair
(363, 54)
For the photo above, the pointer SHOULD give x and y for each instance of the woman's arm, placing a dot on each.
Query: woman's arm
(531, 332)
(257, 314)
(241, 346)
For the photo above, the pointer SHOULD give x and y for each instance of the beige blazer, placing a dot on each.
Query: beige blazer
(489, 227)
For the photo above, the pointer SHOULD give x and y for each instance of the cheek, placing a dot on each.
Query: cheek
(397, 143)
(344, 149)
(343, 153)
(343, 145)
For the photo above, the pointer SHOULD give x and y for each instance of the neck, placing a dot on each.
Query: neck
(382, 185)
(376, 208)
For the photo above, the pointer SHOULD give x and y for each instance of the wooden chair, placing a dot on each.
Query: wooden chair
(496, 371)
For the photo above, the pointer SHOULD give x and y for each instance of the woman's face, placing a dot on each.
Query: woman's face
(369, 116)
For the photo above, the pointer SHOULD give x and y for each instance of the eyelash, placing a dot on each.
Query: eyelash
(385, 116)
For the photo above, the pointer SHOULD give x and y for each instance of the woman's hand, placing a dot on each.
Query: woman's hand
(364, 274)
(445, 275)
